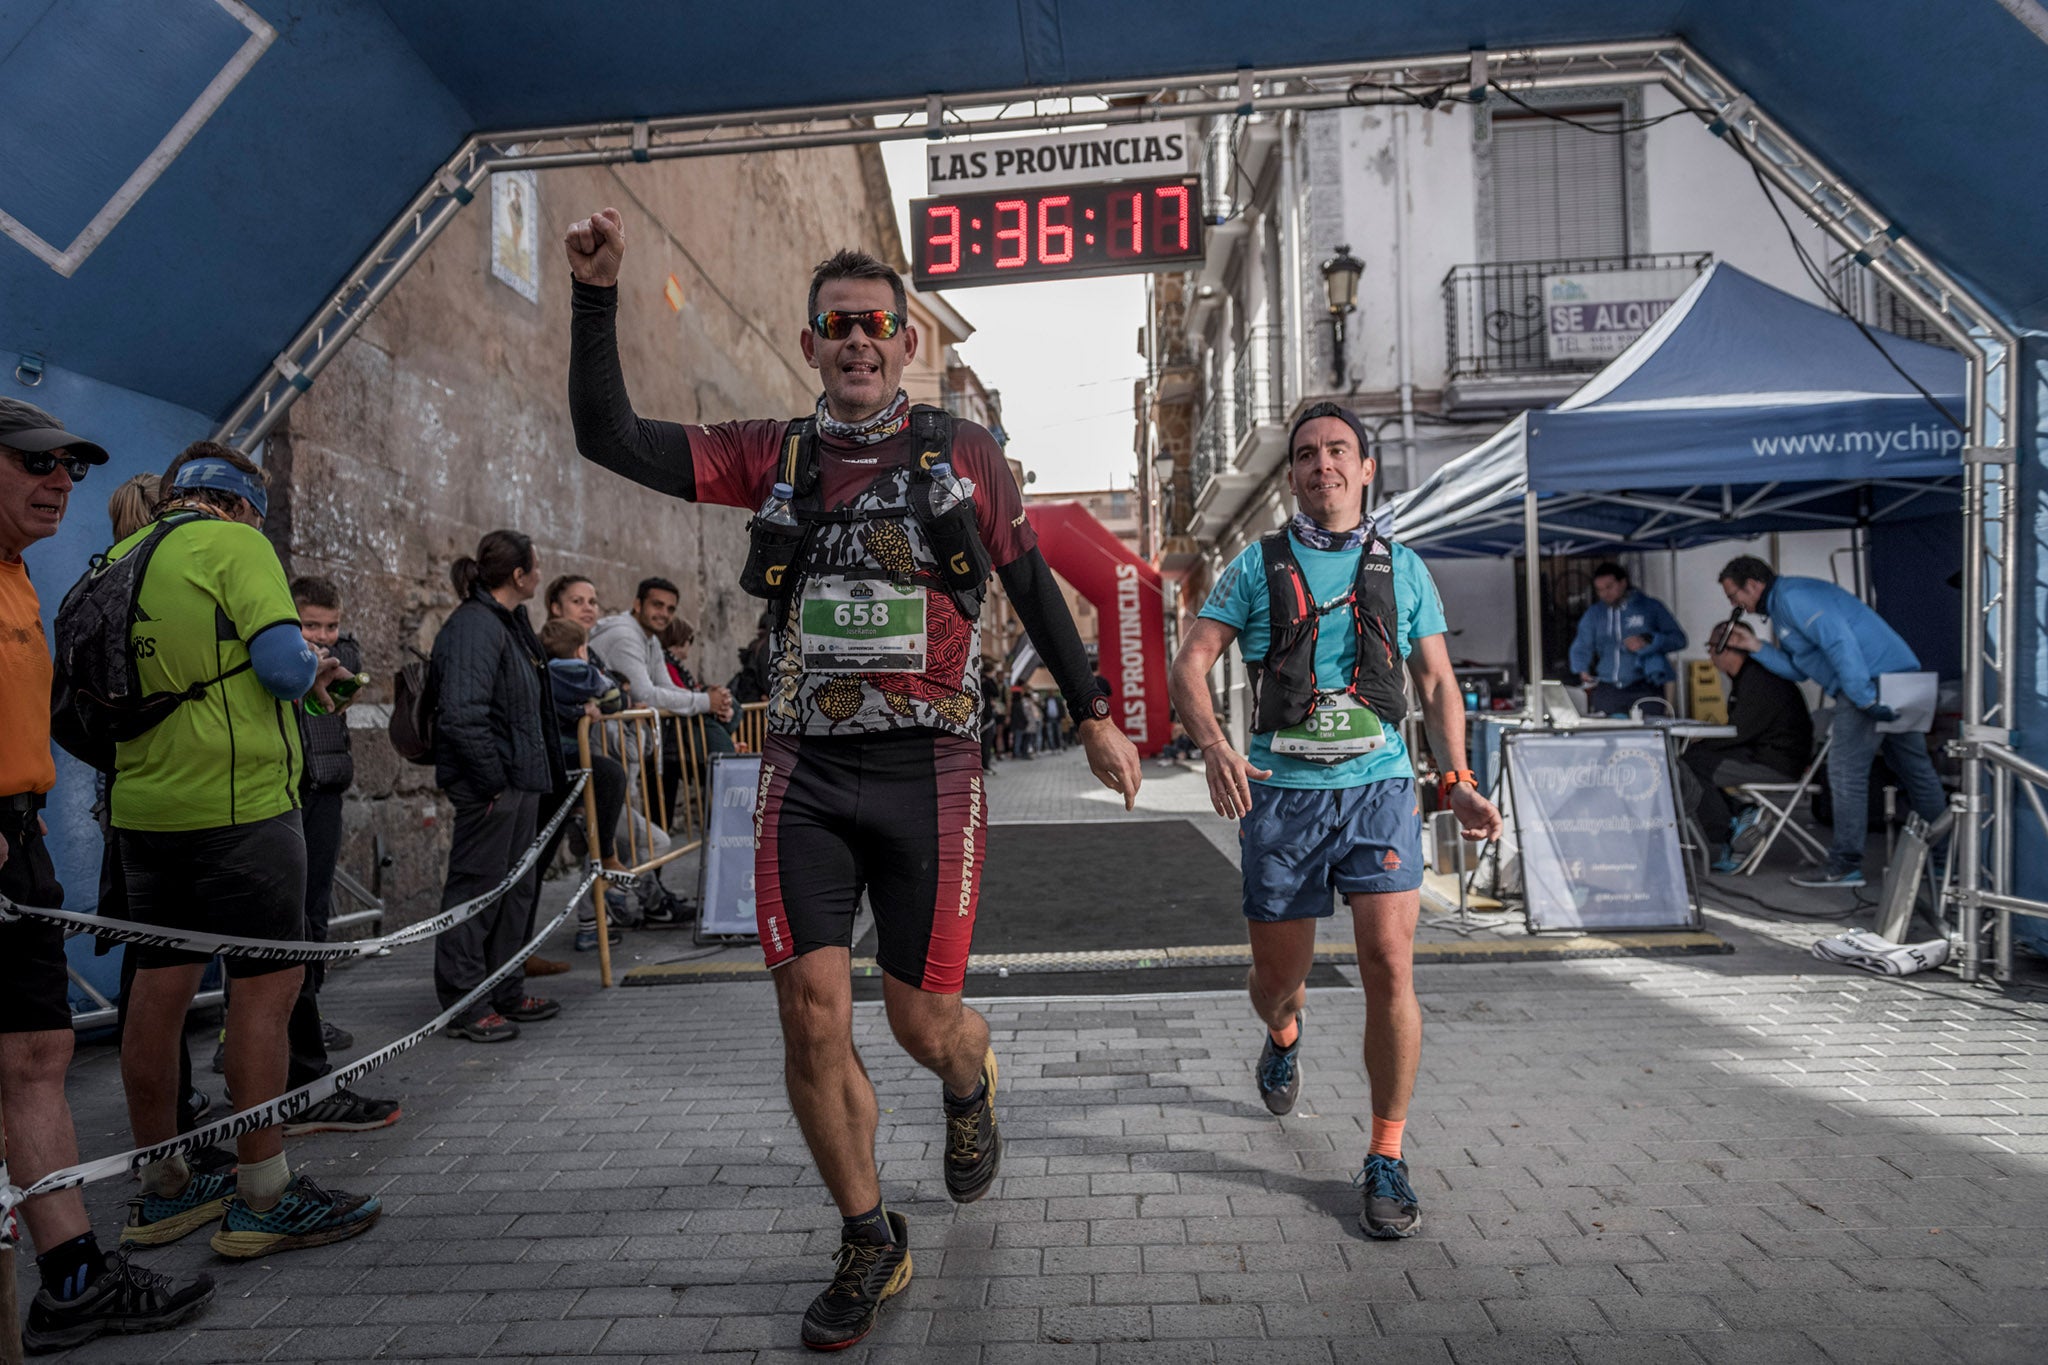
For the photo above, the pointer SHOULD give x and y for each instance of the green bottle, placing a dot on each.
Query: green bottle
(340, 690)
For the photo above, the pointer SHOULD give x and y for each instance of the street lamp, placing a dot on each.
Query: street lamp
(1340, 284)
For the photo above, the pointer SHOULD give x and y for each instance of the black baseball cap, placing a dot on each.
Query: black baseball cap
(1342, 414)
(26, 427)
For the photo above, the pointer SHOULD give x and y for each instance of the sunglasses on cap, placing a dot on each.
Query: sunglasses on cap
(41, 462)
(834, 325)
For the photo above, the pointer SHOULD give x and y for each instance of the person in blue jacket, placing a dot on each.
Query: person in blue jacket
(1827, 635)
(1623, 640)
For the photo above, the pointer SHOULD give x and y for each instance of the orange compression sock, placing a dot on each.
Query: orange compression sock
(1288, 1036)
(1386, 1136)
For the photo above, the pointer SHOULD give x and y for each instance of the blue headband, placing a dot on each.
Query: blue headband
(216, 473)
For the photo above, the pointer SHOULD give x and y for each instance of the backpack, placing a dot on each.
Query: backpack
(411, 726)
(98, 701)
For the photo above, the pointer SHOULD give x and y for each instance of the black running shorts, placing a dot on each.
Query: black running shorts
(35, 993)
(245, 880)
(900, 815)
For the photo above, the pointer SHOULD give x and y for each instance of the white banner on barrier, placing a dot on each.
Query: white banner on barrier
(726, 883)
(1597, 819)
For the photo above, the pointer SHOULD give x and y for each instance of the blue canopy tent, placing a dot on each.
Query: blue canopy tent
(1742, 410)
(244, 168)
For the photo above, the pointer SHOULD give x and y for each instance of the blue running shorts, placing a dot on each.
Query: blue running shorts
(1301, 844)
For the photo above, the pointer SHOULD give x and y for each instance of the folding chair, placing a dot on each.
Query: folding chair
(1780, 801)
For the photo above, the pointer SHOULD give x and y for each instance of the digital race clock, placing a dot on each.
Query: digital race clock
(1056, 233)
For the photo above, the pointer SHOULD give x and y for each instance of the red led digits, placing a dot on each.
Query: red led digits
(1057, 232)
(1126, 224)
(1019, 234)
(1170, 228)
(1060, 233)
(934, 240)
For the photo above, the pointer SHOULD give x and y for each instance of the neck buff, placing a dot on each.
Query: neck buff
(880, 427)
(1316, 538)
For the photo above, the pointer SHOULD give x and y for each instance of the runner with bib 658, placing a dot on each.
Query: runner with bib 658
(1325, 613)
(877, 528)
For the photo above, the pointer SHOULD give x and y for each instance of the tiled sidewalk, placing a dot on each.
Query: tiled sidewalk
(1743, 1158)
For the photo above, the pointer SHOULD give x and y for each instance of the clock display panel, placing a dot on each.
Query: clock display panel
(1057, 232)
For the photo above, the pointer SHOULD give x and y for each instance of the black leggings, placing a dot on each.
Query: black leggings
(608, 780)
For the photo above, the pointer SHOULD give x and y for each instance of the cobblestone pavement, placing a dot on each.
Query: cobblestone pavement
(1746, 1158)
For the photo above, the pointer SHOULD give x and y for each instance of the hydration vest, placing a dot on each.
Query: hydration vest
(1283, 684)
(778, 559)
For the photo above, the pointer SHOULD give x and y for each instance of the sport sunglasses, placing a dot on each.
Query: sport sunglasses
(41, 462)
(837, 326)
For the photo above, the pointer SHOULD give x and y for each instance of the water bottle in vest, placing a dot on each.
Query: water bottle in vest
(949, 490)
(963, 561)
(774, 537)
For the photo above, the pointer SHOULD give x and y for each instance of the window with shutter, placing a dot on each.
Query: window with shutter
(1559, 192)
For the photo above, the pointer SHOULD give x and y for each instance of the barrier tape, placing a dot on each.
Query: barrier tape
(9, 1197)
(274, 950)
(293, 1102)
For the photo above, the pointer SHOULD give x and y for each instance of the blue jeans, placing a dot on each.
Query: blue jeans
(1856, 743)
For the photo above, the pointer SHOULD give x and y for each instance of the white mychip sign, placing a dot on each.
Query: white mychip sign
(1126, 152)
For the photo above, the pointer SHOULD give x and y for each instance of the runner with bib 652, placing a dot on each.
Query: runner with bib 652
(1326, 612)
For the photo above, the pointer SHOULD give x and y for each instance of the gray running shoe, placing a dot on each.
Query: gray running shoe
(1388, 1207)
(1279, 1072)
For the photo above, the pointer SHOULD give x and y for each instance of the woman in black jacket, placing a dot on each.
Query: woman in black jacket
(495, 754)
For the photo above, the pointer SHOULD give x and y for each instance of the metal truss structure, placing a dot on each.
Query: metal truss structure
(1980, 885)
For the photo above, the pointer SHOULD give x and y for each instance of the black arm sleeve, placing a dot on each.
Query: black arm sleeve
(656, 454)
(1043, 610)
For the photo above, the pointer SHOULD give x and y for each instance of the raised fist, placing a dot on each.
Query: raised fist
(596, 245)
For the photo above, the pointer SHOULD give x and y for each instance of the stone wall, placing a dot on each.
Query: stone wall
(447, 416)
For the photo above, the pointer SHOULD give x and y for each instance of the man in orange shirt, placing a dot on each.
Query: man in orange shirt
(85, 1292)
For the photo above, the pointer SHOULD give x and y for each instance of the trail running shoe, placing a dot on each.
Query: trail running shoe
(125, 1298)
(1747, 829)
(156, 1219)
(305, 1215)
(1279, 1072)
(974, 1149)
(485, 1028)
(586, 938)
(344, 1112)
(1726, 859)
(866, 1275)
(1833, 876)
(1388, 1207)
(531, 1009)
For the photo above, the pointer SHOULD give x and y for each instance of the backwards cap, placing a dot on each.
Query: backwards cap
(1342, 414)
(216, 473)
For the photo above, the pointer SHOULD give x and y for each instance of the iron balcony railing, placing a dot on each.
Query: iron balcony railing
(1210, 458)
(1494, 320)
(1255, 383)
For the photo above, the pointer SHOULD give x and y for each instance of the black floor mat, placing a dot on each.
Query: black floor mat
(1139, 884)
(1134, 981)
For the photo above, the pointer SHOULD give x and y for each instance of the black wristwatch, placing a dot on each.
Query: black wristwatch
(1098, 706)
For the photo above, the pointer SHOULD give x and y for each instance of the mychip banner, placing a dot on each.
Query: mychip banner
(1597, 820)
(725, 887)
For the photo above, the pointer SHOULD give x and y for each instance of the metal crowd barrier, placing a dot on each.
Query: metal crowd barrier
(1973, 870)
(633, 738)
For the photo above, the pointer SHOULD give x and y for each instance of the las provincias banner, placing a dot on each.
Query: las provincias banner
(1130, 605)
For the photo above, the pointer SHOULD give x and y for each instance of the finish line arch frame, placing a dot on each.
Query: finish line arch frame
(1990, 567)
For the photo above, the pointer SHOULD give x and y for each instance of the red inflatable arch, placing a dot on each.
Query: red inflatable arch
(1129, 602)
